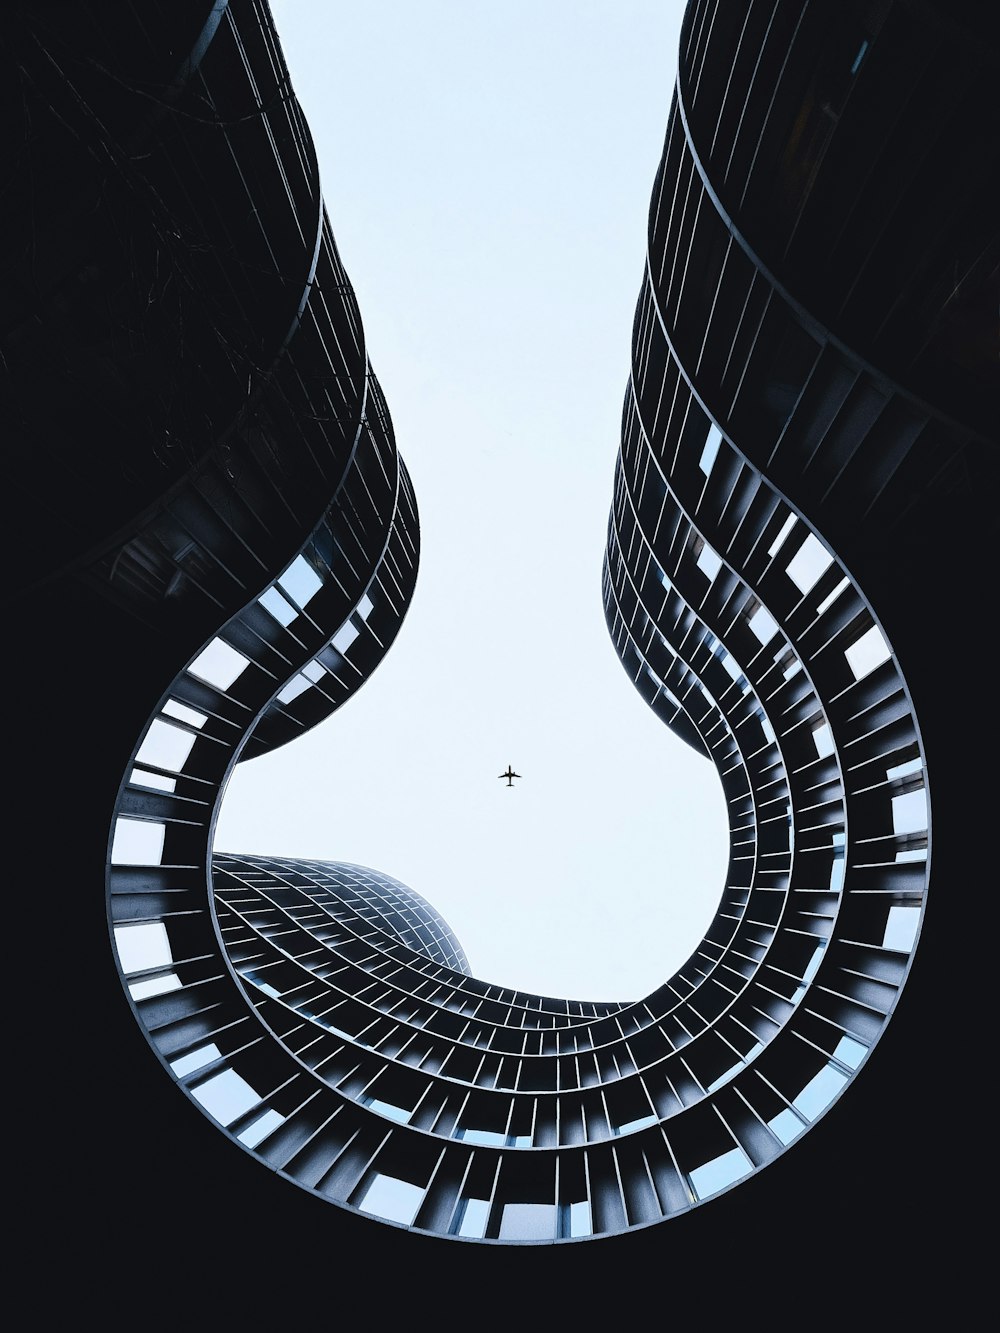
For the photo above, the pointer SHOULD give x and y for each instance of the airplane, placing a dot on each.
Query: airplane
(510, 775)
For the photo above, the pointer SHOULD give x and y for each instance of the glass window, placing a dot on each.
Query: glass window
(837, 869)
(219, 665)
(296, 686)
(779, 541)
(829, 600)
(631, 1126)
(710, 450)
(166, 746)
(471, 1217)
(851, 1052)
(724, 1078)
(763, 624)
(789, 663)
(143, 947)
(187, 1064)
(708, 562)
(140, 778)
(819, 1092)
(823, 739)
(812, 967)
(260, 1128)
(787, 1125)
(580, 1223)
(487, 1137)
(365, 606)
(867, 653)
(137, 842)
(809, 563)
(267, 988)
(729, 664)
(395, 1200)
(313, 671)
(344, 637)
(174, 708)
(226, 1096)
(720, 1172)
(300, 581)
(901, 928)
(143, 990)
(276, 605)
(528, 1221)
(387, 1109)
(909, 811)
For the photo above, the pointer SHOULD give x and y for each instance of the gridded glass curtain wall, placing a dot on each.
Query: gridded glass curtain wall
(811, 393)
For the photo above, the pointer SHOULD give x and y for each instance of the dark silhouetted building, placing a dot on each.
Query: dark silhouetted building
(279, 1075)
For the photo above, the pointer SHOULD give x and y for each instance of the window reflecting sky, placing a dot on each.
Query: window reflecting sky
(487, 170)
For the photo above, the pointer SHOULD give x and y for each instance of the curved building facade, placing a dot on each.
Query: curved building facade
(800, 537)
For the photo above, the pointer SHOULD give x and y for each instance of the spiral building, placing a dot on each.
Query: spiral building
(800, 549)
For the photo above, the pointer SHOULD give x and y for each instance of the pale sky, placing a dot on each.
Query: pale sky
(487, 170)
